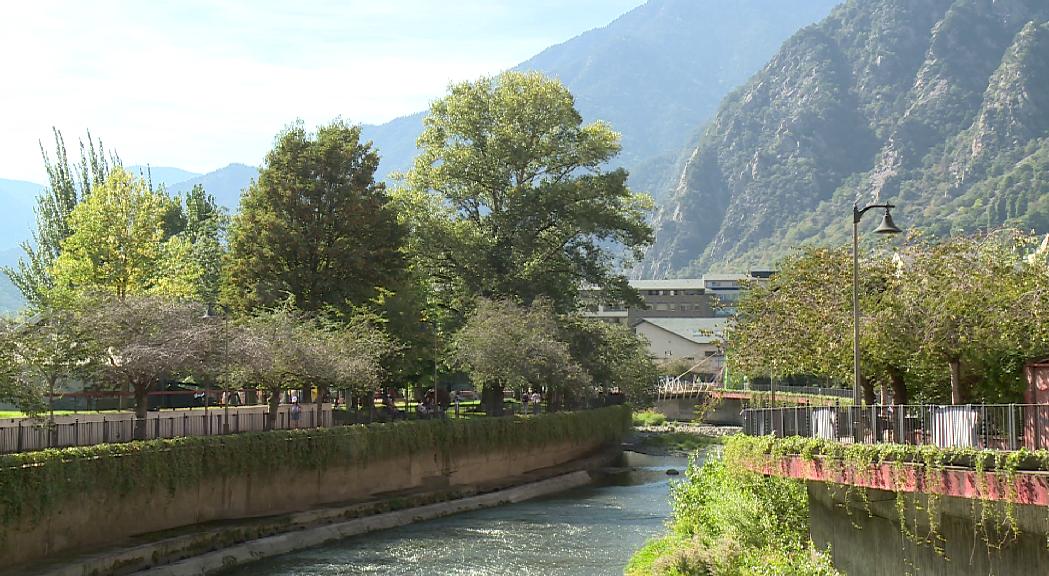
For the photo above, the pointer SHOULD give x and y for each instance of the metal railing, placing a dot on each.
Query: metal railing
(989, 426)
(686, 388)
(26, 435)
(806, 390)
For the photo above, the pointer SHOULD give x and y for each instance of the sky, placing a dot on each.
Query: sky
(198, 84)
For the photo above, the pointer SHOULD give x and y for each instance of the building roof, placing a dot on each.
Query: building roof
(669, 284)
(726, 277)
(698, 330)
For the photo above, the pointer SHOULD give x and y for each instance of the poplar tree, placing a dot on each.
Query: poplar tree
(68, 185)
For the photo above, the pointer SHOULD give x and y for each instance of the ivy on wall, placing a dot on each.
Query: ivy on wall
(995, 522)
(35, 484)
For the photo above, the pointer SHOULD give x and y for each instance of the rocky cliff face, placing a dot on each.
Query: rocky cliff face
(939, 106)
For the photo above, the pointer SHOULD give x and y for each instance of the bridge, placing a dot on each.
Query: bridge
(677, 398)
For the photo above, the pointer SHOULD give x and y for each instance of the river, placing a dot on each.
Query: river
(585, 532)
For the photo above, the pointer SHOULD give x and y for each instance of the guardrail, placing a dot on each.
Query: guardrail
(27, 435)
(807, 390)
(675, 388)
(989, 426)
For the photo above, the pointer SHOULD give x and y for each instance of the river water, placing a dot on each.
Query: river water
(589, 531)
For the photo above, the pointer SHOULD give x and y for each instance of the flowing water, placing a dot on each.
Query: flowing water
(585, 532)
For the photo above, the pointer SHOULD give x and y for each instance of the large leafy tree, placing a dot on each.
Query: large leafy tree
(509, 197)
(120, 243)
(68, 185)
(316, 225)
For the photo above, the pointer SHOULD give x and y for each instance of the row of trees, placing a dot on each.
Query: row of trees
(949, 320)
(138, 343)
(480, 249)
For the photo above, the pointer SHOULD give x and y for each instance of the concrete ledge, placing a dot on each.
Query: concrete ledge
(284, 543)
(1023, 487)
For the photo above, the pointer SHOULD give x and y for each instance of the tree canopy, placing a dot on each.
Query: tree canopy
(121, 243)
(315, 225)
(947, 320)
(509, 197)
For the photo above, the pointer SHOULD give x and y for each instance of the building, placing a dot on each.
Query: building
(682, 319)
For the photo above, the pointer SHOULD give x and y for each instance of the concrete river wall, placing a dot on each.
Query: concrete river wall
(106, 498)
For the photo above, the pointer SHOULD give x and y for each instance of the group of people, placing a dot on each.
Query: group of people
(531, 401)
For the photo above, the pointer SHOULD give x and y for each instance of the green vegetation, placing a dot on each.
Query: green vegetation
(951, 320)
(68, 185)
(315, 225)
(35, 484)
(648, 418)
(729, 521)
(509, 197)
(680, 441)
(327, 282)
(995, 521)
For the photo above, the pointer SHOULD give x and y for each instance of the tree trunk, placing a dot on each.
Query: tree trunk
(492, 398)
(899, 387)
(322, 391)
(959, 394)
(274, 406)
(867, 387)
(141, 408)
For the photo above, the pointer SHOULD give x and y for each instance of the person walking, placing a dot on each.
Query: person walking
(536, 399)
(296, 412)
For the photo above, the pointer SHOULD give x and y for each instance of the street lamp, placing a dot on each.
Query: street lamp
(887, 227)
(211, 314)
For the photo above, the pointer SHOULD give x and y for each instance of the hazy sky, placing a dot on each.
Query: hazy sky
(198, 84)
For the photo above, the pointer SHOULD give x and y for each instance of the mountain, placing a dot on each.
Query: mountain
(10, 298)
(656, 74)
(225, 184)
(938, 106)
(17, 219)
(162, 175)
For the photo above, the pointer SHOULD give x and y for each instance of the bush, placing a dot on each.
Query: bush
(730, 522)
(648, 418)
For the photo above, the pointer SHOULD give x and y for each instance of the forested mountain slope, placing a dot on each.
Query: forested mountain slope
(939, 106)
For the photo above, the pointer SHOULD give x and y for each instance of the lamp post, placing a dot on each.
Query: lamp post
(209, 315)
(887, 227)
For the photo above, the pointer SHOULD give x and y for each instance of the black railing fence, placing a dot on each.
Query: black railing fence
(990, 426)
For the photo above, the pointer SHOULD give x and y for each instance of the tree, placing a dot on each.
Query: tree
(205, 229)
(315, 225)
(972, 301)
(67, 186)
(40, 354)
(119, 243)
(613, 356)
(144, 341)
(800, 322)
(506, 345)
(509, 198)
(347, 355)
(285, 349)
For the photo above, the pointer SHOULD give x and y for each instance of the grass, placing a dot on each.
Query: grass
(648, 418)
(680, 441)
